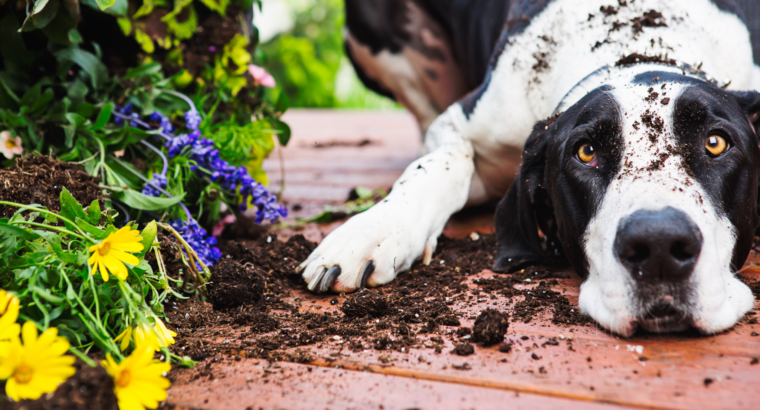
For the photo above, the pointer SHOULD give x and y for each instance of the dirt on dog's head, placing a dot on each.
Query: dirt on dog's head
(648, 186)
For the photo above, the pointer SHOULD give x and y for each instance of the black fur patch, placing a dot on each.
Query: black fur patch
(518, 18)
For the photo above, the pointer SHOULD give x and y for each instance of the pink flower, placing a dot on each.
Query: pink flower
(219, 227)
(261, 76)
(10, 146)
(118, 154)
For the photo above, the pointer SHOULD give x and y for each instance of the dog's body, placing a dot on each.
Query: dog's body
(631, 82)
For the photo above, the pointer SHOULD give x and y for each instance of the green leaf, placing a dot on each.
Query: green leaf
(139, 200)
(93, 230)
(283, 103)
(75, 119)
(74, 36)
(55, 242)
(41, 104)
(88, 62)
(104, 4)
(142, 71)
(17, 231)
(219, 6)
(70, 294)
(148, 236)
(31, 95)
(46, 15)
(93, 212)
(145, 41)
(143, 268)
(70, 208)
(144, 10)
(103, 116)
(283, 134)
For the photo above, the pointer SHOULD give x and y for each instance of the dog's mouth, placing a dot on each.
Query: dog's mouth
(665, 316)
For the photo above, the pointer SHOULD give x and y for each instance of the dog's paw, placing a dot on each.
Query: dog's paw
(368, 250)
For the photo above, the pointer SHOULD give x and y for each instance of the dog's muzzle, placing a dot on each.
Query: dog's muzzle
(660, 250)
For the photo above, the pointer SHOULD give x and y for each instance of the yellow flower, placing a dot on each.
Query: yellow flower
(112, 253)
(37, 366)
(157, 336)
(9, 305)
(138, 380)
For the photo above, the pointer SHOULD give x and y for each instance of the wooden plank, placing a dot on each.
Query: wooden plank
(257, 384)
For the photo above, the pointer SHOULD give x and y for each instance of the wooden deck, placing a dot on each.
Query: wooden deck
(588, 368)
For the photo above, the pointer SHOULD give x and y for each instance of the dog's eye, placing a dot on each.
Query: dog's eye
(587, 154)
(716, 145)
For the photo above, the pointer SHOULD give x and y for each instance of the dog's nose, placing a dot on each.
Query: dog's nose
(658, 245)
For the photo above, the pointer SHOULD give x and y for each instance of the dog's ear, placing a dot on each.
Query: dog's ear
(749, 102)
(526, 208)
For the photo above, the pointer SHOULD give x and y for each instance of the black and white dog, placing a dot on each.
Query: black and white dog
(640, 164)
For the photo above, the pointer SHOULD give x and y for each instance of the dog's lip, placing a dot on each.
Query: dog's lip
(665, 316)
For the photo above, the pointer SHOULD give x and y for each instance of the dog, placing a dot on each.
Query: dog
(640, 159)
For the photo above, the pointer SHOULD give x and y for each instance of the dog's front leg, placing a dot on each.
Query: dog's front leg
(374, 246)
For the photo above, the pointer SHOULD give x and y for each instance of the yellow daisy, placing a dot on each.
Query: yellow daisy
(146, 334)
(9, 305)
(112, 253)
(37, 366)
(138, 380)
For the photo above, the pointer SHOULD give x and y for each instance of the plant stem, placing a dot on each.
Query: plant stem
(142, 124)
(76, 352)
(54, 228)
(45, 211)
(160, 154)
(182, 96)
(189, 249)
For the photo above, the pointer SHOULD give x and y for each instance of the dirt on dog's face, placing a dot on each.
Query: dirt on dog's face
(648, 186)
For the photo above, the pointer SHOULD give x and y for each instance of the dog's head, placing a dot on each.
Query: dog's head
(649, 188)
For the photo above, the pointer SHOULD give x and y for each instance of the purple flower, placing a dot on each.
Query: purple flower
(197, 238)
(192, 119)
(158, 181)
(126, 110)
(166, 124)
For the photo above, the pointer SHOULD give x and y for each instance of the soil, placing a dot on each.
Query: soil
(651, 18)
(233, 284)
(490, 327)
(40, 180)
(636, 58)
(89, 388)
(255, 314)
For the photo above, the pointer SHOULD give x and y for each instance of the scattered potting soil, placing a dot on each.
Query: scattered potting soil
(490, 327)
(259, 307)
(39, 180)
(89, 388)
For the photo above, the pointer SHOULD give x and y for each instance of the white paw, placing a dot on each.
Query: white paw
(368, 250)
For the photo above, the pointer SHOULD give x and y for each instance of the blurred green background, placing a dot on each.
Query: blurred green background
(302, 46)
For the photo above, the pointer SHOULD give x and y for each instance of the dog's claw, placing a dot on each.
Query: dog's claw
(324, 280)
(367, 270)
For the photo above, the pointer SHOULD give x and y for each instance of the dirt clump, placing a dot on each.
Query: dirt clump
(365, 303)
(490, 327)
(40, 180)
(464, 349)
(651, 18)
(89, 388)
(233, 284)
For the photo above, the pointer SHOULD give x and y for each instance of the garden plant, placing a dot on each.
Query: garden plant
(163, 103)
